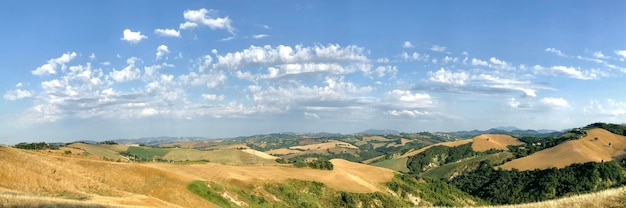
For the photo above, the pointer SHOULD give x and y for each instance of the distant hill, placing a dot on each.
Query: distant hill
(159, 140)
(513, 131)
(379, 132)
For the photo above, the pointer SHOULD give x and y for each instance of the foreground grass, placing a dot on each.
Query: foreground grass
(608, 198)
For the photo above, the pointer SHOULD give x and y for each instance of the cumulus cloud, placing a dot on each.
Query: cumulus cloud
(208, 18)
(448, 77)
(555, 102)
(53, 64)
(167, 32)
(438, 48)
(18, 94)
(128, 73)
(133, 37)
(161, 51)
(621, 53)
(407, 44)
(478, 62)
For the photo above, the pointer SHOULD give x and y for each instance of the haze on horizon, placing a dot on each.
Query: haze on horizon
(117, 69)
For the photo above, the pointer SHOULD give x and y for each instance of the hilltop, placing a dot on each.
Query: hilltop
(599, 145)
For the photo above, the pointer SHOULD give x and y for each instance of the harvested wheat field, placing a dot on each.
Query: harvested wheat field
(486, 142)
(582, 150)
(282, 151)
(38, 174)
(324, 146)
(346, 176)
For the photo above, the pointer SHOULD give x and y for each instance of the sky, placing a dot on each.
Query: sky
(99, 70)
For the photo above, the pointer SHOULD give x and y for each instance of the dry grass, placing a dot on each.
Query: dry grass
(480, 143)
(607, 198)
(101, 150)
(324, 146)
(346, 176)
(486, 142)
(282, 151)
(93, 181)
(375, 138)
(583, 150)
(226, 156)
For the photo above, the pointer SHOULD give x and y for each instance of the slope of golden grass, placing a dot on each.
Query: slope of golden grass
(345, 176)
(448, 144)
(480, 143)
(586, 149)
(226, 156)
(102, 150)
(93, 181)
(485, 142)
(607, 198)
(282, 151)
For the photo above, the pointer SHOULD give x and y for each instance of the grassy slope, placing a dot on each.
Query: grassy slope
(228, 156)
(93, 181)
(582, 150)
(447, 170)
(101, 150)
(397, 164)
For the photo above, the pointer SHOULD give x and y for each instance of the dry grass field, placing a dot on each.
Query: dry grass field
(345, 176)
(486, 142)
(608, 198)
(582, 150)
(225, 156)
(480, 143)
(101, 150)
(93, 181)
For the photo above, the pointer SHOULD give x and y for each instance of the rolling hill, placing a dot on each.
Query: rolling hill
(592, 148)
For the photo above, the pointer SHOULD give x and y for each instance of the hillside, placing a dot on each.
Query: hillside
(586, 149)
(480, 143)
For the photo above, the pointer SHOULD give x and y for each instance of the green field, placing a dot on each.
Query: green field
(445, 171)
(397, 164)
(148, 153)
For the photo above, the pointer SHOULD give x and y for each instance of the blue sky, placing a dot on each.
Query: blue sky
(122, 69)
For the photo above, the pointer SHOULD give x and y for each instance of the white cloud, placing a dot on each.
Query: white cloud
(438, 48)
(407, 44)
(448, 77)
(309, 115)
(161, 51)
(555, 51)
(228, 38)
(92, 56)
(19, 84)
(259, 36)
(208, 18)
(555, 102)
(264, 26)
(448, 59)
(213, 97)
(598, 54)
(407, 113)
(478, 62)
(133, 37)
(570, 72)
(407, 100)
(381, 71)
(128, 73)
(52, 65)
(621, 53)
(415, 56)
(285, 60)
(167, 32)
(187, 25)
(18, 94)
